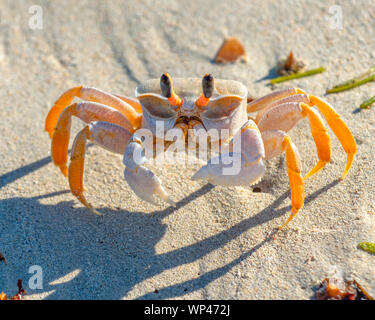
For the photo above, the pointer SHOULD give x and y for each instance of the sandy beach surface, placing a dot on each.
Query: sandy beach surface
(218, 242)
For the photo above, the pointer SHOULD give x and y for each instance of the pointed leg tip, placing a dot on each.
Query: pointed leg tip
(349, 163)
(344, 175)
(282, 227)
(96, 212)
(308, 175)
(284, 224)
(93, 210)
(83, 200)
(64, 170)
(319, 166)
(293, 213)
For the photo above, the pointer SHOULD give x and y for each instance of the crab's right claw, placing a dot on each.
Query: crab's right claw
(238, 167)
(145, 184)
(231, 170)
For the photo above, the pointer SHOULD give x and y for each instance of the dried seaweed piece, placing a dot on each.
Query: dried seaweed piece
(298, 75)
(3, 296)
(18, 296)
(21, 290)
(366, 104)
(366, 77)
(2, 258)
(290, 65)
(367, 246)
(230, 51)
(338, 289)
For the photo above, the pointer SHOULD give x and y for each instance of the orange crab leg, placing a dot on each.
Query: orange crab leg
(261, 103)
(108, 135)
(320, 136)
(76, 167)
(297, 189)
(95, 95)
(65, 99)
(60, 139)
(286, 115)
(275, 143)
(339, 128)
(132, 101)
(86, 111)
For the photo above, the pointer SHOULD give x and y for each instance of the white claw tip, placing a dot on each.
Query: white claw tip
(159, 191)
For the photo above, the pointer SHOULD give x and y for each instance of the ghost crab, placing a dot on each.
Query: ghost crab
(186, 105)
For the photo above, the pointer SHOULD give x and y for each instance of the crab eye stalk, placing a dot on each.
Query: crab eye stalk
(166, 86)
(208, 90)
(208, 85)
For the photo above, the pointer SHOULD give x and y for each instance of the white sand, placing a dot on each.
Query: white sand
(215, 244)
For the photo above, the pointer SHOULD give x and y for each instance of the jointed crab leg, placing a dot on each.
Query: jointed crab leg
(333, 119)
(132, 101)
(339, 128)
(321, 138)
(285, 116)
(109, 136)
(293, 98)
(261, 103)
(88, 112)
(95, 95)
(276, 142)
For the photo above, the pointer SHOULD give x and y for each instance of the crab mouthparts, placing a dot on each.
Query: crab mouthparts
(187, 119)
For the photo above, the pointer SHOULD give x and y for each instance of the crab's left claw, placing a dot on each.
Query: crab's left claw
(145, 184)
(243, 165)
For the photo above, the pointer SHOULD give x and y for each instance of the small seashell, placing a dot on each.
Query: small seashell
(230, 51)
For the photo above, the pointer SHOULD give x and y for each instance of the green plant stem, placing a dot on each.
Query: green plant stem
(297, 75)
(367, 103)
(352, 84)
(367, 246)
(358, 78)
(355, 82)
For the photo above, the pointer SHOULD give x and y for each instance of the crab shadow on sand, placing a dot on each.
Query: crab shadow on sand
(120, 252)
